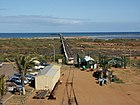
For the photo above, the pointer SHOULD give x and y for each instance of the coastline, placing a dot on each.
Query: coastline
(97, 35)
(75, 37)
(66, 37)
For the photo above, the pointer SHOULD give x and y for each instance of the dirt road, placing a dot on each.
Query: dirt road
(88, 92)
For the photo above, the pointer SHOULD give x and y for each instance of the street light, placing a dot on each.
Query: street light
(130, 56)
(83, 50)
(53, 51)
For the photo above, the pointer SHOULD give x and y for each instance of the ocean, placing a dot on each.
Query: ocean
(98, 35)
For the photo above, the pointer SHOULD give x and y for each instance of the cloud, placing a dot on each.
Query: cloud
(37, 19)
(3, 9)
(39, 23)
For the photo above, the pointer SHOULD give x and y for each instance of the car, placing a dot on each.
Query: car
(13, 87)
(17, 75)
(34, 73)
(19, 88)
(14, 79)
(39, 67)
(10, 86)
(1, 64)
(17, 79)
(29, 77)
(44, 64)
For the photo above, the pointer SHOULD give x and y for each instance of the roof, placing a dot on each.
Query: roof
(49, 70)
(88, 58)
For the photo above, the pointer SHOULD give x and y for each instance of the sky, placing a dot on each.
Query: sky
(69, 16)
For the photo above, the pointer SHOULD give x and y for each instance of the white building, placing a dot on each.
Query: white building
(48, 77)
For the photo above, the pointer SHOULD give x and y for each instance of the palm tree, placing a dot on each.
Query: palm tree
(22, 63)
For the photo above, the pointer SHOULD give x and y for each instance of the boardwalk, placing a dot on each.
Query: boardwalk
(67, 51)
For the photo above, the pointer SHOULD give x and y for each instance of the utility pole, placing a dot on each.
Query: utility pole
(53, 52)
(130, 57)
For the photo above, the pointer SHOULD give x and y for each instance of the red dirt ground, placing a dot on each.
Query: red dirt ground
(88, 92)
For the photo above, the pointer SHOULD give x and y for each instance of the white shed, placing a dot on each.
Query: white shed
(48, 77)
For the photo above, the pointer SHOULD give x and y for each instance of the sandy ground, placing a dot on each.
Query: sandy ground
(88, 92)
(7, 69)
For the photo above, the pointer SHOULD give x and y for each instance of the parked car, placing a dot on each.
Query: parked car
(14, 79)
(13, 87)
(44, 64)
(34, 73)
(1, 64)
(17, 75)
(19, 88)
(39, 67)
(17, 79)
(29, 77)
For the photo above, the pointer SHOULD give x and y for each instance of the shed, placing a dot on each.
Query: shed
(47, 77)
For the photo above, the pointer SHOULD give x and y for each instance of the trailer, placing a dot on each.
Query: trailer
(47, 78)
(41, 94)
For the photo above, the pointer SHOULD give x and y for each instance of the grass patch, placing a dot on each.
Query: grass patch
(117, 80)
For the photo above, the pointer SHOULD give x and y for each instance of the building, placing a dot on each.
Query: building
(48, 77)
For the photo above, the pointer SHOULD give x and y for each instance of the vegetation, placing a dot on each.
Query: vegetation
(2, 85)
(22, 63)
(117, 80)
(81, 46)
(117, 62)
(135, 63)
(12, 47)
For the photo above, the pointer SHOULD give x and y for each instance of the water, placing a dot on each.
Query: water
(99, 35)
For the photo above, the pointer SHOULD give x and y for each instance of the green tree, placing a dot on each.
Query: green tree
(125, 62)
(2, 85)
(22, 63)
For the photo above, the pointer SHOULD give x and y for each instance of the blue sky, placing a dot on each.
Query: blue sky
(69, 15)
